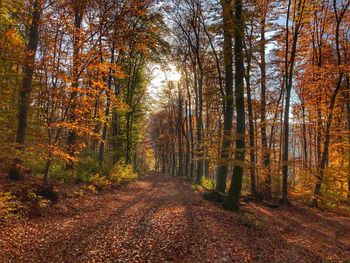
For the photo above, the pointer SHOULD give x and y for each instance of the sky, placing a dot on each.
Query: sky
(159, 77)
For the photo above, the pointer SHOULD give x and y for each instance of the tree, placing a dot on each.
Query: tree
(232, 199)
(28, 69)
(222, 169)
(289, 70)
(339, 15)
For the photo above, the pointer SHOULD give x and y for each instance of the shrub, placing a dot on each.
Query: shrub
(58, 171)
(91, 188)
(100, 182)
(208, 183)
(9, 206)
(88, 163)
(122, 173)
(38, 203)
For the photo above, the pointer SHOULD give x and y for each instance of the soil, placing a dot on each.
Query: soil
(162, 219)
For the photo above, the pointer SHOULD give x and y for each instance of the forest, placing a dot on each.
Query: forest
(174, 131)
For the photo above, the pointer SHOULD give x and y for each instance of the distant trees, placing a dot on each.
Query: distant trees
(295, 86)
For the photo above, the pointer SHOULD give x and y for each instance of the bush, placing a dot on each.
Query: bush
(38, 203)
(58, 171)
(122, 173)
(100, 182)
(9, 206)
(89, 164)
(208, 183)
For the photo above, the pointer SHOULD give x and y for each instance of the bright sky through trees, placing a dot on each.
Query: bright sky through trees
(160, 76)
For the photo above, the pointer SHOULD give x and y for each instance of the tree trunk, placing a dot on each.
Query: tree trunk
(253, 189)
(221, 174)
(72, 134)
(289, 68)
(28, 72)
(348, 123)
(200, 161)
(108, 104)
(265, 149)
(190, 125)
(232, 199)
(179, 135)
(188, 149)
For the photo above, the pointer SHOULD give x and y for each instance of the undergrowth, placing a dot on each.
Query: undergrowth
(32, 197)
(9, 206)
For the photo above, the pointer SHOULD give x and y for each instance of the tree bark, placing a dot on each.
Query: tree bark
(28, 72)
(107, 110)
(221, 174)
(289, 69)
(248, 55)
(232, 199)
(72, 134)
(265, 149)
(179, 134)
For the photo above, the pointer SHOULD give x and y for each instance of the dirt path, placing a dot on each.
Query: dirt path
(161, 219)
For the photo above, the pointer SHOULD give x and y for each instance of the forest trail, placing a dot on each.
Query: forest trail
(161, 219)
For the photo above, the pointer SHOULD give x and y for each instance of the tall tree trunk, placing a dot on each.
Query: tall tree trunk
(179, 135)
(221, 175)
(305, 146)
(265, 149)
(232, 199)
(248, 55)
(200, 161)
(190, 124)
(28, 72)
(72, 134)
(289, 69)
(348, 123)
(107, 110)
(128, 137)
(188, 149)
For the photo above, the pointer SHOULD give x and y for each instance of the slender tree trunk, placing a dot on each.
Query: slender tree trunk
(348, 122)
(305, 146)
(128, 138)
(179, 135)
(190, 123)
(163, 160)
(188, 149)
(221, 174)
(107, 110)
(72, 134)
(200, 161)
(253, 189)
(285, 144)
(115, 131)
(265, 149)
(28, 72)
(232, 199)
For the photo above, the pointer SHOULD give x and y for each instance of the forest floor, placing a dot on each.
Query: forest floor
(162, 219)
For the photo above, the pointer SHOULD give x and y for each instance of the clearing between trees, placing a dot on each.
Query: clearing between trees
(162, 219)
